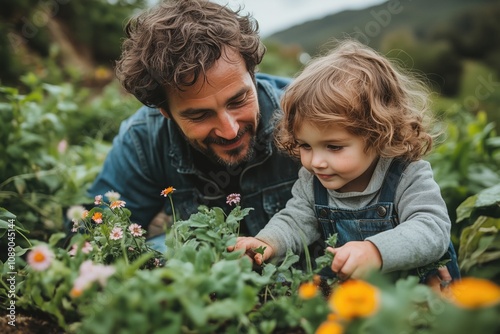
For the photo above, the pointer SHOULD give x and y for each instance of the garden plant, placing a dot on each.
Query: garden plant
(104, 277)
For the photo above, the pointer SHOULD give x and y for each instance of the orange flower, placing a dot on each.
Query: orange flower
(97, 217)
(308, 290)
(117, 204)
(75, 292)
(167, 191)
(332, 317)
(471, 292)
(330, 327)
(354, 298)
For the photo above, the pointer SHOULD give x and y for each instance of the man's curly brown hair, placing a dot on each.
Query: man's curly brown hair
(175, 42)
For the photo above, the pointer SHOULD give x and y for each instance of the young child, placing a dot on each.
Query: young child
(357, 123)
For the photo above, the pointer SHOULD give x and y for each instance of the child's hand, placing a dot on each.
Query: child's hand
(355, 259)
(249, 244)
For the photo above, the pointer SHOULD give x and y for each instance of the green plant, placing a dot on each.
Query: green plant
(53, 140)
(466, 160)
(99, 286)
(479, 252)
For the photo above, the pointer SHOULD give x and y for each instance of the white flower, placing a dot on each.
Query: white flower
(75, 212)
(112, 196)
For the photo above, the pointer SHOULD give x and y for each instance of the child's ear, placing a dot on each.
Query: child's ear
(164, 113)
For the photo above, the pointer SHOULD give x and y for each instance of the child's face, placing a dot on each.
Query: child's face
(336, 157)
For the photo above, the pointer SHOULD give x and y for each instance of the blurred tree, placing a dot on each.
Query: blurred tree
(86, 33)
(281, 59)
(437, 59)
(474, 34)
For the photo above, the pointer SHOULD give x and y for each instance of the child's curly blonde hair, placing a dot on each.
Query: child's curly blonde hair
(361, 90)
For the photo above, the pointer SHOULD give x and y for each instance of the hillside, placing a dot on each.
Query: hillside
(370, 25)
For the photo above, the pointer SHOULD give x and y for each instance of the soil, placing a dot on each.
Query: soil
(29, 324)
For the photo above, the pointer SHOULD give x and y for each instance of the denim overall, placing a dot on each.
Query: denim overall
(357, 225)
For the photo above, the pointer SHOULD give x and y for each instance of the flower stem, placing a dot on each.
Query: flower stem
(173, 209)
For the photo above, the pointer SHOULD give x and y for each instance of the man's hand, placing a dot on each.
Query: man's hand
(248, 244)
(355, 259)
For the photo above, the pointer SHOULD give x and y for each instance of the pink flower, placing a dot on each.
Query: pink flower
(98, 200)
(62, 146)
(233, 199)
(116, 233)
(90, 273)
(117, 204)
(136, 230)
(40, 257)
(87, 248)
(85, 214)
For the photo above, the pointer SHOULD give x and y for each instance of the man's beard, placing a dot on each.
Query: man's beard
(210, 153)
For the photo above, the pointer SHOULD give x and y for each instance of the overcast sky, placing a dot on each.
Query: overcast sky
(276, 15)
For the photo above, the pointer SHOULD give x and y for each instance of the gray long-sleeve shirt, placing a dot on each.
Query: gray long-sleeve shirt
(422, 236)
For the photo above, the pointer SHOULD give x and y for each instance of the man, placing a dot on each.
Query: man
(208, 126)
(208, 130)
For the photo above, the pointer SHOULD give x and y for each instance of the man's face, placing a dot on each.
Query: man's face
(218, 115)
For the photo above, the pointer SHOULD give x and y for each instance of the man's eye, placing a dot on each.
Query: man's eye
(240, 101)
(198, 117)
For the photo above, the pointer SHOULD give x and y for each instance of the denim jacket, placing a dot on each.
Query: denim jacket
(149, 154)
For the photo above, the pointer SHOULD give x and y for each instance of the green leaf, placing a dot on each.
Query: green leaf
(488, 197)
(20, 185)
(465, 209)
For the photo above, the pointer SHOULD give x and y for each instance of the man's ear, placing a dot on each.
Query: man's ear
(164, 113)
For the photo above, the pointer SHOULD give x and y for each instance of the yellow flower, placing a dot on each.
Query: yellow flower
(330, 327)
(308, 290)
(354, 298)
(167, 191)
(471, 292)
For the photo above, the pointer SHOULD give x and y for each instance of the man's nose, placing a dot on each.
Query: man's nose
(227, 126)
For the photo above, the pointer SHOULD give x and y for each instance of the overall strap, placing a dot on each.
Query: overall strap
(391, 180)
(320, 193)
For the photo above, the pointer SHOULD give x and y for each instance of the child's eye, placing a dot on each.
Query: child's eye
(334, 147)
(304, 146)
